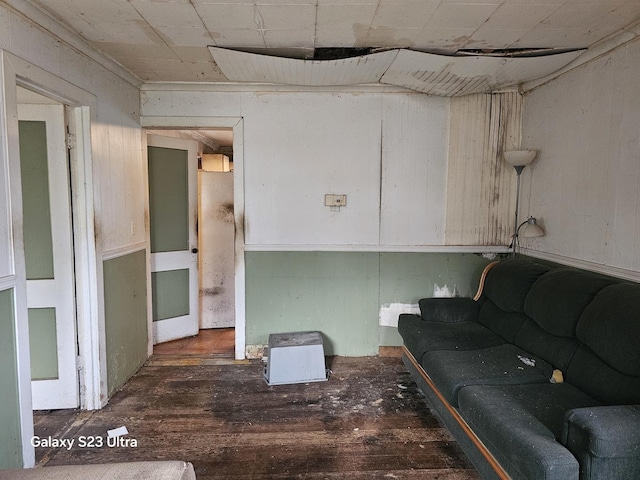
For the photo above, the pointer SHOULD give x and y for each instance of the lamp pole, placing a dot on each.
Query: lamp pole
(518, 169)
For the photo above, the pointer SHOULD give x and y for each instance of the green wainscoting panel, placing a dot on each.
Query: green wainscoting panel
(10, 431)
(168, 199)
(335, 293)
(125, 299)
(43, 343)
(341, 293)
(408, 277)
(170, 295)
(34, 172)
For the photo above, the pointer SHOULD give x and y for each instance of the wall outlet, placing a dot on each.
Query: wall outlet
(335, 200)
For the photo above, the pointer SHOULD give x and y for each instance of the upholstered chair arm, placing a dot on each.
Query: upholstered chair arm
(605, 440)
(454, 309)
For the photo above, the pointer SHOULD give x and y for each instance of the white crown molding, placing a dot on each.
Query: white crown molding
(41, 18)
(241, 87)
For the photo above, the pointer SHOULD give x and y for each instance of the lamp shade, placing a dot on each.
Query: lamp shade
(520, 158)
(532, 229)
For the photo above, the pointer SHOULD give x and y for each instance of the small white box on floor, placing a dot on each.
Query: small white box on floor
(296, 357)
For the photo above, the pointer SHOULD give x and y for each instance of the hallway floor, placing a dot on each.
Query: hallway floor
(216, 341)
(368, 421)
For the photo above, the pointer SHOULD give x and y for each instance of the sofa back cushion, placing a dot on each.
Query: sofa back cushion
(558, 298)
(505, 324)
(505, 290)
(508, 283)
(607, 365)
(554, 304)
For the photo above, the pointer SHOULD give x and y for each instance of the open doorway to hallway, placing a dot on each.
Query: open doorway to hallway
(215, 229)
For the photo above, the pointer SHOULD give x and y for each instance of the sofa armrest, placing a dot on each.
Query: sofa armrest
(605, 440)
(454, 309)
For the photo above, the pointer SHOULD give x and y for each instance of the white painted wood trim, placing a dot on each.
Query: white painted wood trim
(10, 153)
(173, 123)
(238, 212)
(7, 282)
(380, 248)
(147, 241)
(616, 272)
(89, 279)
(124, 250)
(271, 88)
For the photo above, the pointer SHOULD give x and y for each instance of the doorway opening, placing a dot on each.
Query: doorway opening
(215, 247)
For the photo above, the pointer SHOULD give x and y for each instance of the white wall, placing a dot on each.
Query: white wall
(585, 185)
(300, 146)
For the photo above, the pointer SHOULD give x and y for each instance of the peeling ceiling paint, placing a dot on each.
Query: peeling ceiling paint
(424, 72)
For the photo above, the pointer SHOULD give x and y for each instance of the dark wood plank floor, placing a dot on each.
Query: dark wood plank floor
(368, 421)
(218, 341)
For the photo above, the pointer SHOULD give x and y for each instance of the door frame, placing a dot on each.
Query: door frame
(81, 108)
(237, 125)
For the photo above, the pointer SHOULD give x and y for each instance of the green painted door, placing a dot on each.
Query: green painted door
(173, 200)
(48, 246)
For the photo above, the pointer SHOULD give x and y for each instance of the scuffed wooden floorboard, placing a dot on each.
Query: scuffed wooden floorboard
(367, 421)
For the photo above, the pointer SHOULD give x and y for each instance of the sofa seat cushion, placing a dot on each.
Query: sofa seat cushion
(422, 336)
(500, 365)
(522, 425)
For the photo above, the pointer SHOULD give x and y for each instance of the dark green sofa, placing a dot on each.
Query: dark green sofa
(539, 376)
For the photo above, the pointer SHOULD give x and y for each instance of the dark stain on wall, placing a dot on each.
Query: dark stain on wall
(211, 291)
(225, 213)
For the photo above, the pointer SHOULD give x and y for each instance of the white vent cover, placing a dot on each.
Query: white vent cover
(295, 358)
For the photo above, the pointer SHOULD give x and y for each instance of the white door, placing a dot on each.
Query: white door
(48, 241)
(173, 203)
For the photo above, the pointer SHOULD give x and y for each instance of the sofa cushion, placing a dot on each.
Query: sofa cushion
(521, 426)
(501, 365)
(420, 336)
(505, 324)
(591, 374)
(607, 365)
(558, 351)
(558, 298)
(610, 326)
(508, 283)
(452, 309)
